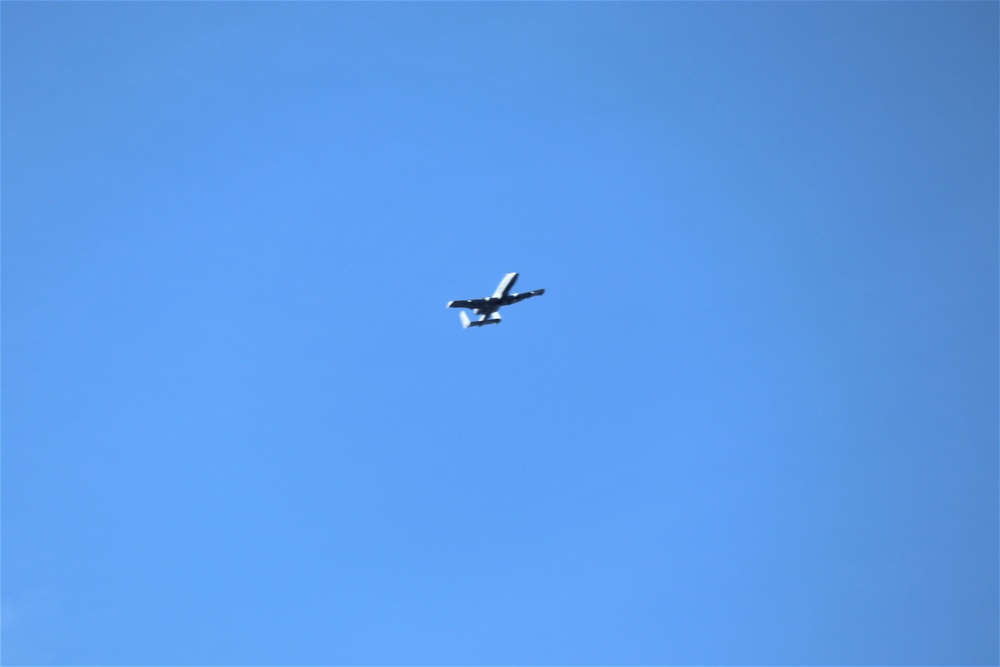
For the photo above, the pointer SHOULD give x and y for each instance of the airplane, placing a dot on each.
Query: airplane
(487, 308)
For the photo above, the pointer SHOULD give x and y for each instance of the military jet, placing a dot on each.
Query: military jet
(487, 308)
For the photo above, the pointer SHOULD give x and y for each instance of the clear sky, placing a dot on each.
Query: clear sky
(753, 420)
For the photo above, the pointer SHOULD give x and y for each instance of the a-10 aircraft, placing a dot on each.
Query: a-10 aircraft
(488, 308)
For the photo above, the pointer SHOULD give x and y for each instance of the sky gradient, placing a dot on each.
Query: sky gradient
(753, 419)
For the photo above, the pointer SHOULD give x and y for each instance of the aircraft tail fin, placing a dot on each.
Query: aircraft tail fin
(466, 322)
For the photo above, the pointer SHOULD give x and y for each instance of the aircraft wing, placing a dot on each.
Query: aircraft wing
(503, 289)
(514, 298)
(471, 303)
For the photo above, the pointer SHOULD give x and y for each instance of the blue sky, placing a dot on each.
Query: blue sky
(753, 420)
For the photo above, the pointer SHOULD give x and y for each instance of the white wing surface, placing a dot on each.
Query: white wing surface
(504, 288)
